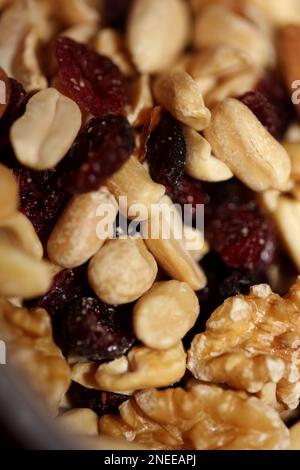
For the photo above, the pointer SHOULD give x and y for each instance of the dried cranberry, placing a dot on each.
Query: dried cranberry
(102, 403)
(41, 200)
(188, 191)
(114, 13)
(97, 331)
(92, 80)
(68, 285)
(240, 234)
(166, 152)
(100, 150)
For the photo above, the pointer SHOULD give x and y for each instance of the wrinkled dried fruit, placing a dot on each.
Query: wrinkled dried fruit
(167, 152)
(188, 191)
(100, 150)
(96, 330)
(92, 80)
(102, 403)
(241, 236)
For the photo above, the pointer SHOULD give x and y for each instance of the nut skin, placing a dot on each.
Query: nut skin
(204, 417)
(134, 182)
(182, 97)
(142, 368)
(122, 271)
(163, 316)
(75, 239)
(44, 134)
(150, 25)
(251, 341)
(241, 142)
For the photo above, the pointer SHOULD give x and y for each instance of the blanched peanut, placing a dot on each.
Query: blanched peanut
(9, 192)
(75, 238)
(157, 32)
(200, 163)
(241, 142)
(133, 181)
(20, 274)
(122, 271)
(195, 243)
(217, 26)
(73, 12)
(293, 149)
(82, 32)
(163, 316)
(169, 251)
(79, 421)
(182, 97)
(22, 233)
(141, 101)
(44, 134)
(111, 43)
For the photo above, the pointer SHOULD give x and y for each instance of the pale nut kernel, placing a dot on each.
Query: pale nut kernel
(141, 101)
(122, 271)
(26, 66)
(134, 182)
(293, 150)
(73, 12)
(79, 421)
(146, 368)
(218, 26)
(219, 62)
(9, 192)
(233, 86)
(182, 97)
(200, 163)
(20, 274)
(280, 12)
(82, 32)
(157, 31)
(195, 243)
(164, 315)
(204, 417)
(22, 233)
(110, 42)
(75, 237)
(44, 134)
(295, 437)
(240, 141)
(287, 219)
(160, 235)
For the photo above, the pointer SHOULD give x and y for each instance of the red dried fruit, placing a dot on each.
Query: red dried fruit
(241, 235)
(91, 79)
(166, 152)
(100, 150)
(97, 331)
(102, 403)
(271, 105)
(188, 191)
(40, 198)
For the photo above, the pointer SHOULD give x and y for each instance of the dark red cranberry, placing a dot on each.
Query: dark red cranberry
(100, 150)
(115, 13)
(166, 152)
(240, 235)
(40, 198)
(102, 403)
(97, 331)
(91, 79)
(188, 191)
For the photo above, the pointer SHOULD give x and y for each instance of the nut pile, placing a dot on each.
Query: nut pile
(188, 342)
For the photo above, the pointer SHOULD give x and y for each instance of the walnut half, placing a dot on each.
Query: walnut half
(28, 335)
(251, 341)
(205, 417)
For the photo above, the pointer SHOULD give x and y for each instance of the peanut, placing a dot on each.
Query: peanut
(133, 181)
(79, 421)
(122, 271)
(9, 193)
(163, 316)
(157, 32)
(141, 101)
(44, 134)
(182, 97)
(110, 43)
(73, 12)
(75, 238)
(293, 150)
(200, 163)
(253, 155)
